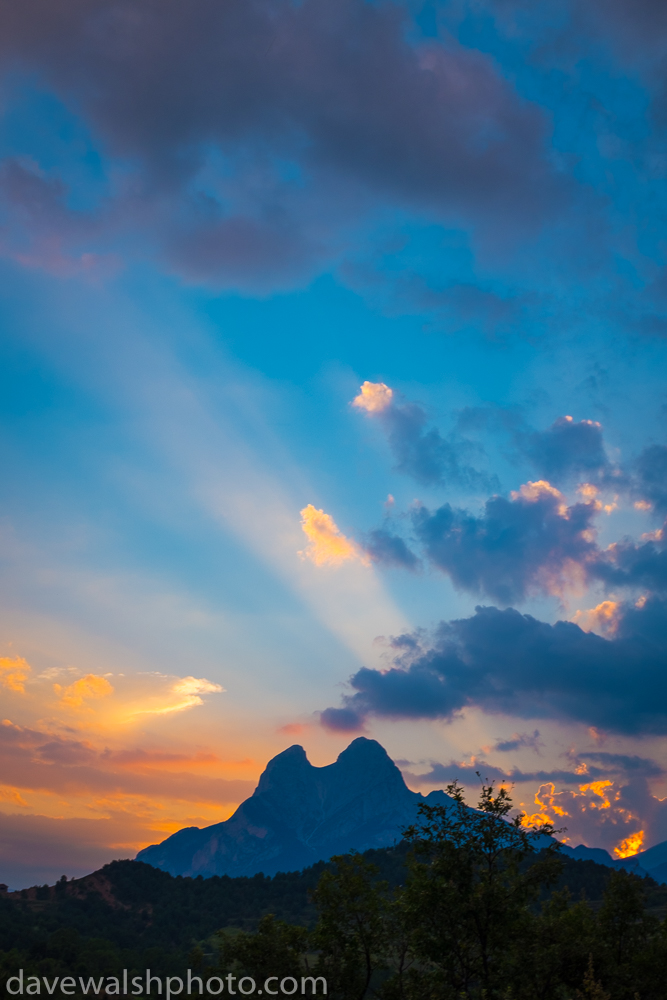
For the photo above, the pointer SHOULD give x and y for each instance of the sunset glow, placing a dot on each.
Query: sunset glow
(332, 404)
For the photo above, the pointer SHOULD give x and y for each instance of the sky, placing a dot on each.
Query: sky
(333, 342)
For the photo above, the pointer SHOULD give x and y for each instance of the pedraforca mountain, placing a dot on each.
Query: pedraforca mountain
(300, 814)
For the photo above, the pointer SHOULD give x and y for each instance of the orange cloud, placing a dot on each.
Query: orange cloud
(374, 397)
(327, 545)
(595, 813)
(14, 673)
(187, 692)
(76, 694)
(602, 618)
(535, 491)
(13, 796)
(588, 491)
(630, 846)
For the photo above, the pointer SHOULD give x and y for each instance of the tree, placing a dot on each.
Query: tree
(469, 892)
(276, 949)
(355, 926)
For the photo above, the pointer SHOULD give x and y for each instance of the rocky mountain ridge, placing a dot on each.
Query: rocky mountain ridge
(300, 814)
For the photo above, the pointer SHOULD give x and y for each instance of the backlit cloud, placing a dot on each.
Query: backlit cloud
(187, 694)
(87, 688)
(529, 543)
(420, 451)
(599, 813)
(374, 397)
(509, 663)
(602, 619)
(13, 673)
(327, 545)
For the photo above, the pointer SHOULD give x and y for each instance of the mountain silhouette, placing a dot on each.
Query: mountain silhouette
(300, 814)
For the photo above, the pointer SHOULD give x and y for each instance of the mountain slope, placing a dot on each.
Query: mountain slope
(300, 814)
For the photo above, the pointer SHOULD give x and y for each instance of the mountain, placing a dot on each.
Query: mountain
(652, 862)
(300, 814)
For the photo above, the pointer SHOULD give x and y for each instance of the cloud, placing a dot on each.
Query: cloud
(624, 763)
(567, 448)
(389, 549)
(519, 740)
(602, 619)
(39, 229)
(419, 451)
(628, 563)
(508, 663)
(651, 476)
(14, 673)
(187, 692)
(608, 803)
(374, 397)
(465, 771)
(532, 542)
(327, 545)
(255, 137)
(77, 694)
(603, 765)
(39, 761)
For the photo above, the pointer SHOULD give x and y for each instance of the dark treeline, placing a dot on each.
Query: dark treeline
(464, 907)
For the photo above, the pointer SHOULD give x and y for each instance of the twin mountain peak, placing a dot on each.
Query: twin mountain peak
(300, 814)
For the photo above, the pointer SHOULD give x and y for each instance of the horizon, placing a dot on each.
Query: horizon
(332, 381)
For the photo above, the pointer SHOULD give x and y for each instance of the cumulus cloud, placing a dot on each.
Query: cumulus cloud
(419, 451)
(528, 543)
(76, 695)
(568, 451)
(567, 448)
(603, 618)
(327, 545)
(606, 800)
(374, 397)
(14, 672)
(504, 662)
(629, 563)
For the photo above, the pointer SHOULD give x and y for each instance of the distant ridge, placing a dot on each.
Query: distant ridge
(300, 814)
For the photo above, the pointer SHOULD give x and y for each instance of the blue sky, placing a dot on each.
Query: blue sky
(216, 224)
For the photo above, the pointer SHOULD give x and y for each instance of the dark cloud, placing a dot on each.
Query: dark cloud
(466, 773)
(634, 564)
(517, 546)
(651, 476)
(257, 131)
(422, 452)
(341, 720)
(567, 448)
(390, 550)
(518, 741)
(509, 663)
(623, 763)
